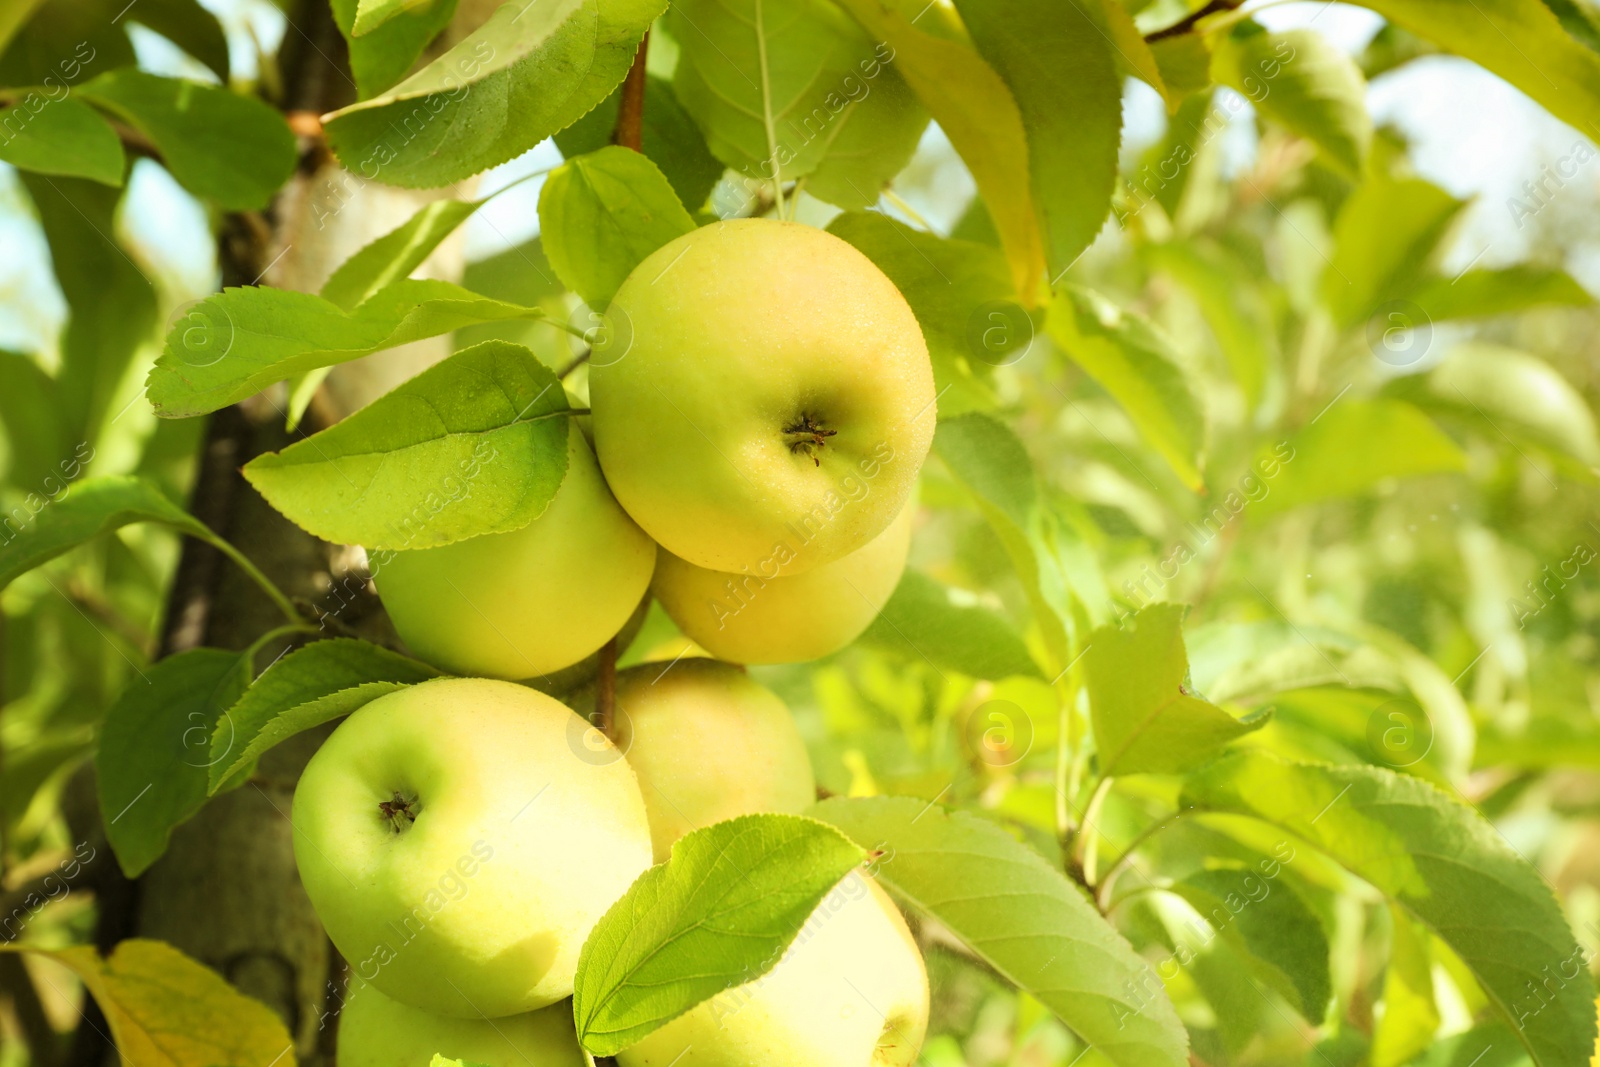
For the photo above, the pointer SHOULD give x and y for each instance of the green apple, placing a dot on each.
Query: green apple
(459, 841)
(375, 1031)
(708, 742)
(851, 991)
(531, 602)
(763, 397)
(790, 618)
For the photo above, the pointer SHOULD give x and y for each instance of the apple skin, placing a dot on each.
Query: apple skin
(724, 341)
(791, 618)
(528, 603)
(375, 1031)
(708, 742)
(851, 992)
(520, 843)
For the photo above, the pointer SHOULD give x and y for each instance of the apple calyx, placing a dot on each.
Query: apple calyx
(400, 812)
(807, 433)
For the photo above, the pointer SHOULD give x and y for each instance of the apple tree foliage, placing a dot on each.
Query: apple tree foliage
(1220, 713)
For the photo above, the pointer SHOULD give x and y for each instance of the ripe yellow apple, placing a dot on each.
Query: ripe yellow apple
(708, 742)
(763, 396)
(459, 843)
(528, 603)
(852, 991)
(790, 618)
(375, 1031)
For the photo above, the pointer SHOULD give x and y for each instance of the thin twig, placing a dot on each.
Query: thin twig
(630, 110)
(1187, 23)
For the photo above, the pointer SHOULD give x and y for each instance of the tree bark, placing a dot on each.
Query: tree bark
(227, 891)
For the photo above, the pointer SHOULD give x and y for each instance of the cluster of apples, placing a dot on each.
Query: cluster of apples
(760, 411)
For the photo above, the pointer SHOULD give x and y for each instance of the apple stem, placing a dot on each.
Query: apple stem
(629, 132)
(605, 697)
(810, 433)
(398, 811)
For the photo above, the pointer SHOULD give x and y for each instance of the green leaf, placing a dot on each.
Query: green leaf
(1410, 1016)
(925, 619)
(238, 342)
(1575, 18)
(13, 17)
(155, 749)
(1520, 40)
(1230, 298)
(719, 913)
(166, 1010)
(1185, 64)
(1444, 865)
(988, 459)
(1386, 241)
(1302, 81)
(962, 296)
(976, 110)
(189, 26)
(234, 150)
(38, 453)
(526, 73)
(371, 14)
(396, 254)
(86, 510)
(308, 687)
(1507, 393)
(1134, 55)
(1503, 291)
(1022, 917)
(476, 444)
(1147, 716)
(787, 90)
(1133, 361)
(62, 137)
(382, 57)
(112, 305)
(1278, 935)
(1354, 444)
(600, 214)
(670, 140)
(1057, 61)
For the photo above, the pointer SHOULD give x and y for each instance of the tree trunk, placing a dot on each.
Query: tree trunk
(227, 891)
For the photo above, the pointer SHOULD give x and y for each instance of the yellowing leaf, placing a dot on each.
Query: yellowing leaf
(166, 1010)
(978, 113)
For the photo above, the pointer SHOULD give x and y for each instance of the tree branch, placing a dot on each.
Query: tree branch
(630, 110)
(1187, 23)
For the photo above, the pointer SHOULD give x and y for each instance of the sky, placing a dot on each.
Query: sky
(1471, 133)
